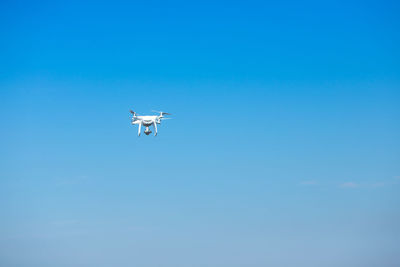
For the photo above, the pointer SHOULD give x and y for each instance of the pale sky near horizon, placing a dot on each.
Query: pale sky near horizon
(283, 150)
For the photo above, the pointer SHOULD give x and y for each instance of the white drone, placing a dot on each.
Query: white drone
(147, 121)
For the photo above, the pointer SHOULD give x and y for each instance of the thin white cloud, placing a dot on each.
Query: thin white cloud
(71, 181)
(379, 184)
(309, 182)
(65, 222)
(349, 185)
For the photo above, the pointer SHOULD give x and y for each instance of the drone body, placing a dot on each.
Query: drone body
(148, 121)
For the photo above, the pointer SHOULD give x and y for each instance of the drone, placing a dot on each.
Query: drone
(147, 121)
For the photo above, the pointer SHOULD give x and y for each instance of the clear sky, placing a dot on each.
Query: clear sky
(284, 147)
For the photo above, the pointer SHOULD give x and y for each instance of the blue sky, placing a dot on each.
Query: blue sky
(283, 149)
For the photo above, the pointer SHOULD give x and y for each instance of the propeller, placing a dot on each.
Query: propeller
(161, 112)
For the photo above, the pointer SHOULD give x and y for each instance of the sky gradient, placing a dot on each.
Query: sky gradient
(283, 150)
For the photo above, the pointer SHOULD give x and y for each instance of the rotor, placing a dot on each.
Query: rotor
(161, 112)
